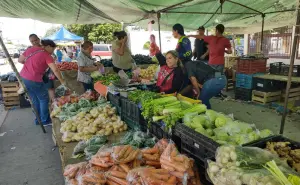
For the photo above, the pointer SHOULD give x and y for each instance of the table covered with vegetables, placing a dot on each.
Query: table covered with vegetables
(151, 138)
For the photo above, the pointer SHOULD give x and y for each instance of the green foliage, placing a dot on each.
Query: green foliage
(51, 31)
(95, 32)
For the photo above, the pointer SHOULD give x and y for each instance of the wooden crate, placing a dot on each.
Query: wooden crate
(293, 95)
(230, 62)
(10, 94)
(265, 97)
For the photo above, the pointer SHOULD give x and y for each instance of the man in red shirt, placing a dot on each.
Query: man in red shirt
(218, 46)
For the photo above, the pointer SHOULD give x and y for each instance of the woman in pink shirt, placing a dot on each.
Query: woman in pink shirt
(36, 61)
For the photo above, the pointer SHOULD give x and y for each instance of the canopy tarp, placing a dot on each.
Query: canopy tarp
(191, 14)
(64, 35)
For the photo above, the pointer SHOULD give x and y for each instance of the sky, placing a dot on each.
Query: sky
(18, 30)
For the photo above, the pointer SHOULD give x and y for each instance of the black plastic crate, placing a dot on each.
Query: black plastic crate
(114, 99)
(134, 125)
(266, 85)
(243, 94)
(296, 70)
(276, 68)
(194, 144)
(262, 143)
(24, 102)
(159, 131)
(131, 109)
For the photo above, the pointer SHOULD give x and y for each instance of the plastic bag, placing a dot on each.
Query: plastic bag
(162, 145)
(12, 78)
(150, 176)
(62, 91)
(72, 170)
(103, 157)
(177, 164)
(92, 178)
(151, 157)
(93, 145)
(68, 136)
(125, 154)
(79, 148)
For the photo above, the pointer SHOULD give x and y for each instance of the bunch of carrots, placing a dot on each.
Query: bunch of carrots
(125, 164)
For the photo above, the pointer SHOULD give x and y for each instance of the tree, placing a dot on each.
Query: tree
(95, 32)
(51, 31)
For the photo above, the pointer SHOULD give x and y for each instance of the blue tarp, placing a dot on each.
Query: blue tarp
(64, 35)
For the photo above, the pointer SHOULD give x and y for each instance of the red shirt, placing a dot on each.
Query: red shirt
(163, 73)
(35, 67)
(217, 47)
(153, 49)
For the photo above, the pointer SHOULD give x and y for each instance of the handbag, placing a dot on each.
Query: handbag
(45, 77)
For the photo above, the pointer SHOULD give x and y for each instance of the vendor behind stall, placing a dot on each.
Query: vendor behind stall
(170, 76)
(86, 65)
(183, 47)
(218, 46)
(206, 81)
(121, 54)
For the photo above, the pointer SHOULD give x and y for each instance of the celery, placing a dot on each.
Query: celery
(277, 173)
(171, 110)
(157, 118)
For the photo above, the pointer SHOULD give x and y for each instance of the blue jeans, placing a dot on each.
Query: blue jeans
(212, 88)
(89, 86)
(38, 93)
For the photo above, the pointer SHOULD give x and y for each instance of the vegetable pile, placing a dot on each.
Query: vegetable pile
(169, 109)
(223, 129)
(245, 165)
(107, 79)
(285, 152)
(142, 59)
(124, 164)
(137, 139)
(139, 96)
(100, 120)
(148, 73)
(65, 66)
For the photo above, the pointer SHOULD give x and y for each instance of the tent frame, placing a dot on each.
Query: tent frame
(296, 31)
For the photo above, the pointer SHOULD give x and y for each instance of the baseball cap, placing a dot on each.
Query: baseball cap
(201, 28)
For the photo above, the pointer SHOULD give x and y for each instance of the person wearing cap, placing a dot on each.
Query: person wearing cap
(183, 47)
(170, 77)
(201, 50)
(206, 81)
(218, 46)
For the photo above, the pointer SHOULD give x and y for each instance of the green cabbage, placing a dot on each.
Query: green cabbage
(265, 133)
(96, 74)
(212, 115)
(198, 121)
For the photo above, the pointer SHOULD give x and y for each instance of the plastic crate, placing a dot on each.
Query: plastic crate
(24, 102)
(245, 80)
(134, 125)
(266, 85)
(243, 94)
(194, 144)
(286, 68)
(276, 68)
(131, 109)
(251, 65)
(158, 130)
(262, 143)
(114, 99)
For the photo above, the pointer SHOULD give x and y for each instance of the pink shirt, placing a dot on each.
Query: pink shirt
(35, 67)
(217, 47)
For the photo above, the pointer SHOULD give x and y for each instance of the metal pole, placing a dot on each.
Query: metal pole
(20, 81)
(158, 20)
(262, 32)
(292, 60)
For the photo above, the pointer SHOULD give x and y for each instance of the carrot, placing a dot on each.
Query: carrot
(150, 150)
(179, 158)
(125, 167)
(118, 174)
(174, 153)
(122, 152)
(161, 171)
(103, 154)
(114, 168)
(120, 169)
(160, 177)
(179, 175)
(109, 182)
(131, 157)
(172, 180)
(153, 157)
(153, 163)
(167, 167)
(128, 151)
(117, 180)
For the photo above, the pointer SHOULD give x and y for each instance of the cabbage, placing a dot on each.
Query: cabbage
(201, 130)
(253, 136)
(210, 132)
(222, 120)
(265, 133)
(212, 115)
(221, 135)
(240, 139)
(96, 74)
(198, 120)
(237, 128)
(188, 118)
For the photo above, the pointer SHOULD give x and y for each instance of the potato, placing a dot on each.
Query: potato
(125, 127)
(116, 131)
(108, 132)
(101, 132)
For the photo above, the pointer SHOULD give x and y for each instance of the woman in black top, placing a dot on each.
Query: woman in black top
(170, 76)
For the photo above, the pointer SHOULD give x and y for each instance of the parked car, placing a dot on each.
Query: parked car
(102, 51)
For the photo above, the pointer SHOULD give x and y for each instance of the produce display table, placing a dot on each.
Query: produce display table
(278, 78)
(66, 149)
